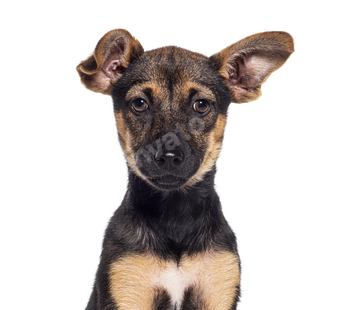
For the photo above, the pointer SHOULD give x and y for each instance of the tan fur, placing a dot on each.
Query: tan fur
(221, 277)
(131, 281)
(203, 92)
(213, 150)
(262, 53)
(214, 276)
(90, 70)
(272, 41)
(126, 143)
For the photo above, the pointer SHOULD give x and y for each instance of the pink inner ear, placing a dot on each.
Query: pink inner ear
(256, 69)
(250, 71)
(112, 68)
(234, 78)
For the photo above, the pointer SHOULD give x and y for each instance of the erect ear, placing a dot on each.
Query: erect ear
(248, 63)
(113, 53)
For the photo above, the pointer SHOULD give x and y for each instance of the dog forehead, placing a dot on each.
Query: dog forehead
(169, 75)
(172, 58)
(173, 65)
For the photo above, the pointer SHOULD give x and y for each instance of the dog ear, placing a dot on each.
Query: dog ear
(247, 64)
(113, 53)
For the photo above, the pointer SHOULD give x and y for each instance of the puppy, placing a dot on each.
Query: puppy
(168, 246)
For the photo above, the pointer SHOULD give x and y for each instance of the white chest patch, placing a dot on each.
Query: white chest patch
(175, 279)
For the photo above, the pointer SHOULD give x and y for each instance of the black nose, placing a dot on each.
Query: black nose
(169, 160)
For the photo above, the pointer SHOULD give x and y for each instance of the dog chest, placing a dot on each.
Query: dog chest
(212, 278)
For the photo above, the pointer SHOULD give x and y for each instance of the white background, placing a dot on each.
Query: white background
(283, 175)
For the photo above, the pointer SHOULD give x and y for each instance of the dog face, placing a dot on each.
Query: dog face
(171, 104)
(168, 106)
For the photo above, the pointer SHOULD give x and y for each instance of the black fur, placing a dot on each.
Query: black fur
(162, 301)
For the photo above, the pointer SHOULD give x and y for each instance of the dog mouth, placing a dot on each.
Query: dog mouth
(168, 182)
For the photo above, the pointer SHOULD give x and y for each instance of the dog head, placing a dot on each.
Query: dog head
(171, 104)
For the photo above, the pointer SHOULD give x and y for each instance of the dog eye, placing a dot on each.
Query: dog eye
(201, 106)
(139, 105)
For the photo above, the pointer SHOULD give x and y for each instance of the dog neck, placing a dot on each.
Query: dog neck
(178, 221)
(148, 200)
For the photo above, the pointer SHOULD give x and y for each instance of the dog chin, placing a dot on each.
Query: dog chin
(167, 182)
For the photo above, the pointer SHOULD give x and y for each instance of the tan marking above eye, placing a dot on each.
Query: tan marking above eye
(202, 91)
(157, 88)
